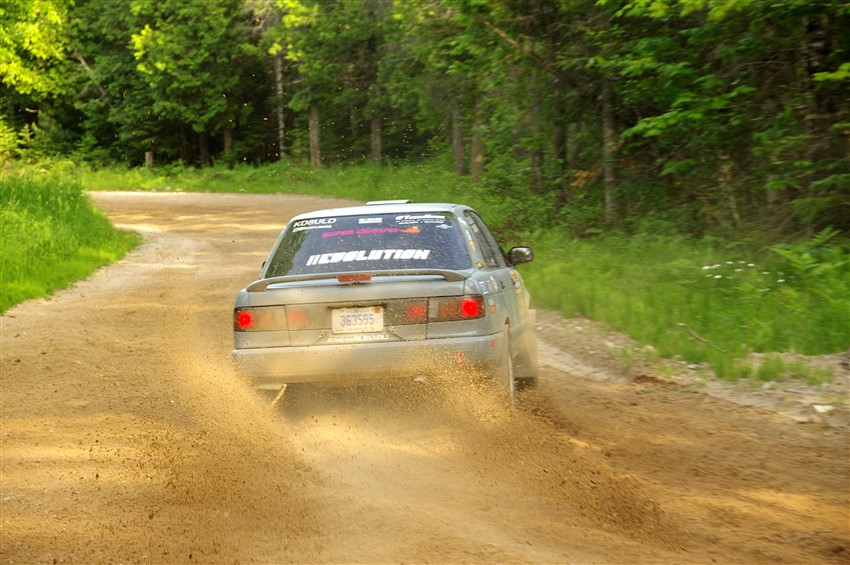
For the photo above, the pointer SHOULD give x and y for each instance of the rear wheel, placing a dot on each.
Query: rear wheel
(505, 370)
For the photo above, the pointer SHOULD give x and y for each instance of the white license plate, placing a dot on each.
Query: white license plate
(357, 320)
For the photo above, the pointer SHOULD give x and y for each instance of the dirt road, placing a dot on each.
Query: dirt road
(127, 439)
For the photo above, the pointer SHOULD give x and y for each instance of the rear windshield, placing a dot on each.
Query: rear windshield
(422, 240)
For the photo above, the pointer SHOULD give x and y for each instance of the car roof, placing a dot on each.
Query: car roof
(383, 208)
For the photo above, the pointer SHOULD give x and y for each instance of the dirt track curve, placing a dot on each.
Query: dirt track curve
(127, 439)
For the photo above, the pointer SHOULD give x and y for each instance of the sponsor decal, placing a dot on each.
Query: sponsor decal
(369, 221)
(373, 231)
(487, 286)
(420, 219)
(469, 239)
(516, 279)
(358, 337)
(370, 231)
(338, 233)
(315, 224)
(368, 255)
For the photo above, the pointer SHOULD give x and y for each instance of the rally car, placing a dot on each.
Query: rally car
(387, 289)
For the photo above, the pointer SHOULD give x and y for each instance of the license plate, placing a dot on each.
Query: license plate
(357, 320)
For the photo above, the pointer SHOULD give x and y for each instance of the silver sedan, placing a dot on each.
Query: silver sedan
(389, 289)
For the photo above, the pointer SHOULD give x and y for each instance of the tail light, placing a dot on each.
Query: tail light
(456, 308)
(416, 312)
(297, 318)
(259, 319)
(243, 320)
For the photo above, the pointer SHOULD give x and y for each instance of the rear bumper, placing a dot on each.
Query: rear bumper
(272, 367)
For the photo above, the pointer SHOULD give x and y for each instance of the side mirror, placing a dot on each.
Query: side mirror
(520, 255)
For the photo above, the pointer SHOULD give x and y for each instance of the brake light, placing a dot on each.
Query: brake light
(243, 320)
(354, 278)
(470, 307)
(464, 308)
(258, 319)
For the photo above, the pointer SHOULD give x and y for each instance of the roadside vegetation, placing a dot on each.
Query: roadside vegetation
(51, 236)
(701, 299)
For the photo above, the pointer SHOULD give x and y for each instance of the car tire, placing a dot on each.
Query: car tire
(525, 383)
(505, 374)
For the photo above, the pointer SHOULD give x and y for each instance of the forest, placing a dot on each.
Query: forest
(721, 117)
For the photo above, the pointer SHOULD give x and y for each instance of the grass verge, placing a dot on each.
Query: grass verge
(702, 301)
(51, 236)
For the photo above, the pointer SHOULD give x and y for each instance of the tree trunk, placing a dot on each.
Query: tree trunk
(278, 88)
(227, 141)
(186, 146)
(562, 195)
(536, 153)
(725, 182)
(204, 150)
(478, 157)
(572, 145)
(457, 141)
(609, 150)
(315, 140)
(377, 140)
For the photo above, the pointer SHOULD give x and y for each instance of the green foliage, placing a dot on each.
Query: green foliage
(32, 45)
(840, 74)
(771, 368)
(8, 142)
(697, 300)
(730, 113)
(190, 54)
(52, 236)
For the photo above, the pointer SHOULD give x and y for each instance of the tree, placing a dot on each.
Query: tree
(193, 54)
(33, 45)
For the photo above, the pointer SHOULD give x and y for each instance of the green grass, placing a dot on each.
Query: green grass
(362, 182)
(51, 236)
(697, 300)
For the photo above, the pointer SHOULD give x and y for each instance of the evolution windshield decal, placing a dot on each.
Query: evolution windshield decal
(368, 255)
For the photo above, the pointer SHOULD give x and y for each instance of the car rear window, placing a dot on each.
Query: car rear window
(421, 240)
